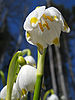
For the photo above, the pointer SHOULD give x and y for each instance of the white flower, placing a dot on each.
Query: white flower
(15, 93)
(43, 27)
(63, 97)
(53, 97)
(30, 60)
(26, 79)
(3, 93)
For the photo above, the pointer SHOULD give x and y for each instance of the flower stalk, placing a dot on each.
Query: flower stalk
(40, 71)
(26, 51)
(46, 94)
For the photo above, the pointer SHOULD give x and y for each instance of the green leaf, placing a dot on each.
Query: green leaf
(3, 77)
(12, 74)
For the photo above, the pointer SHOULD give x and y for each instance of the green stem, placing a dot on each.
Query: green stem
(26, 51)
(40, 70)
(46, 94)
(3, 77)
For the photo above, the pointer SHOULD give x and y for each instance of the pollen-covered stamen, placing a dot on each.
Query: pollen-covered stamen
(46, 25)
(44, 16)
(41, 27)
(48, 17)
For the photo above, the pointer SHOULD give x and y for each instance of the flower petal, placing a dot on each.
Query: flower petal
(56, 42)
(26, 78)
(30, 60)
(53, 97)
(40, 10)
(65, 27)
(28, 37)
(33, 18)
(52, 11)
(27, 25)
(3, 93)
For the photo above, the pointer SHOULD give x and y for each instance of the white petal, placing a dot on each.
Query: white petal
(15, 93)
(40, 10)
(37, 13)
(65, 28)
(27, 78)
(4, 92)
(28, 38)
(30, 60)
(53, 97)
(52, 11)
(54, 32)
(27, 25)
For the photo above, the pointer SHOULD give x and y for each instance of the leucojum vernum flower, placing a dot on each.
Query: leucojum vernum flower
(25, 81)
(43, 27)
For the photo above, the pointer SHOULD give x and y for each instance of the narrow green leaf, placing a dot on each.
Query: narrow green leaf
(3, 77)
(26, 51)
(12, 74)
(13, 66)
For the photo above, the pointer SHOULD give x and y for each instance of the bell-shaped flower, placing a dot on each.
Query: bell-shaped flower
(63, 97)
(43, 27)
(30, 60)
(26, 79)
(53, 97)
(3, 93)
(15, 94)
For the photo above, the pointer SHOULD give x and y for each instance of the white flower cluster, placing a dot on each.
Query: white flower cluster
(43, 27)
(25, 81)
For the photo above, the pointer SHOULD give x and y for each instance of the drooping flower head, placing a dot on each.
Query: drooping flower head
(26, 79)
(53, 97)
(30, 60)
(15, 93)
(43, 27)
